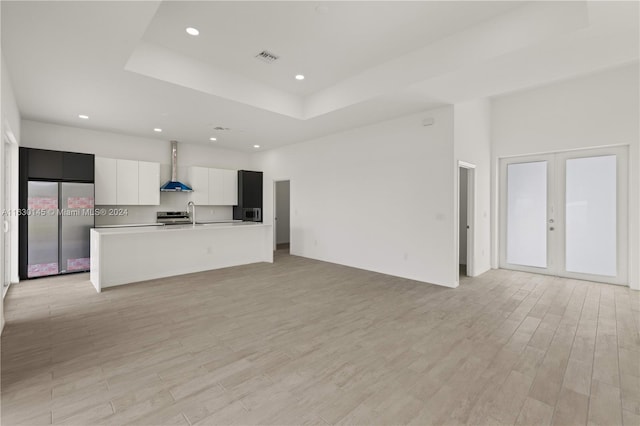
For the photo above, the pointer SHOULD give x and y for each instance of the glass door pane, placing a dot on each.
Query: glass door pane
(590, 215)
(527, 214)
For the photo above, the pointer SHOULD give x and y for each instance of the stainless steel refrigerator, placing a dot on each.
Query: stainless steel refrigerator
(60, 217)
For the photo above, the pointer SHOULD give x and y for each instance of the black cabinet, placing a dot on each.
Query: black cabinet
(77, 167)
(249, 189)
(249, 196)
(60, 166)
(44, 164)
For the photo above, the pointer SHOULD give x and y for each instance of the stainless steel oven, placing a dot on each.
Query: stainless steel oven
(173, 218)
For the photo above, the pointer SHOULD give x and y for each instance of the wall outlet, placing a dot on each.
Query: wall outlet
(315, 242)
(209, 250)
(212, 211)
(406, 256)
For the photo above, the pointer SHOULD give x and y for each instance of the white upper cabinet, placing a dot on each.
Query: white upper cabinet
(214, 187)
(126, 182)
(230, 182)
(148, 183)
(105, 181)
(199, 181)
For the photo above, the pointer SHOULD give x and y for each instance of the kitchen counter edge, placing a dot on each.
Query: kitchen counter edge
(175, 228)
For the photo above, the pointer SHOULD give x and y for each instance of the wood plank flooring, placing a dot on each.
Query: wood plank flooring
(307, 342)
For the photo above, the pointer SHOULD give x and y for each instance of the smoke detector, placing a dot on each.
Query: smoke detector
(267, 57)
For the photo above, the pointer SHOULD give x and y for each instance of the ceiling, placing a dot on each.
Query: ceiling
(327, 43)
(131, 67)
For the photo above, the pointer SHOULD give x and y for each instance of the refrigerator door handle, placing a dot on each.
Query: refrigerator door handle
(5, 226)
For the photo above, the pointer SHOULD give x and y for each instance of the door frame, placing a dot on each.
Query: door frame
(9, 222)
(471, 225)
(556, 186)
(275, 206)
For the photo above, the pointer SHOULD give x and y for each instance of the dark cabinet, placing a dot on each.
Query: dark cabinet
(249, 206)
(249, 189)
(57, 165)
(44, 164)
(77, 167)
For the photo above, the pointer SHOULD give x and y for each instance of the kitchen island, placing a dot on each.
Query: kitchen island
(131, 254)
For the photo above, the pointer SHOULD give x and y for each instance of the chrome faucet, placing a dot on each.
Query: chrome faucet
(191, 205)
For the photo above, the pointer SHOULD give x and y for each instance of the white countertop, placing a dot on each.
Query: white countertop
(174, 228)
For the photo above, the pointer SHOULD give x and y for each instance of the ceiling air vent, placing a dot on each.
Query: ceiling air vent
(267, 57)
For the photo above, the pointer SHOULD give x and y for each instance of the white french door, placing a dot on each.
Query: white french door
(565, 214)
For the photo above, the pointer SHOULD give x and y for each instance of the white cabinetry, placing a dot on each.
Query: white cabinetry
(148, 183)
(230, 187)
(199, 181)
(214, 187)
(105, 180)
(126, 182)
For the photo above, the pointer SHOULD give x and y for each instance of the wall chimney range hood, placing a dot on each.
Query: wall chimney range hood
(174, 185)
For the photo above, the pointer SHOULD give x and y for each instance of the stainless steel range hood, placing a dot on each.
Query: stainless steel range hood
(174, 185)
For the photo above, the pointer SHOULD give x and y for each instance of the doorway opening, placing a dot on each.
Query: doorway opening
(466, 207)
(282, 216)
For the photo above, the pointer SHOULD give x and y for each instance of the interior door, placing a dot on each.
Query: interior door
(565, 214)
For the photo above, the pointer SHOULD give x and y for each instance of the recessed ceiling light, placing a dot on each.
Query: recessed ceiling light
(192, 31)
(157, 130)
(299, 77)
(84, 117)
(213, 139)
(256, 146)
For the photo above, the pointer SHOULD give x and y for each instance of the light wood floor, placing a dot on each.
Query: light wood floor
(307, 342)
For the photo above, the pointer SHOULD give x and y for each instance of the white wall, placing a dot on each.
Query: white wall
(379, 197)
(595, 110)
(282, 212)
(10, 113)
(113, 145)
(472, 136)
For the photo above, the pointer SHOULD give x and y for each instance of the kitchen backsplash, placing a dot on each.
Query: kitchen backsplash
(168, 202)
